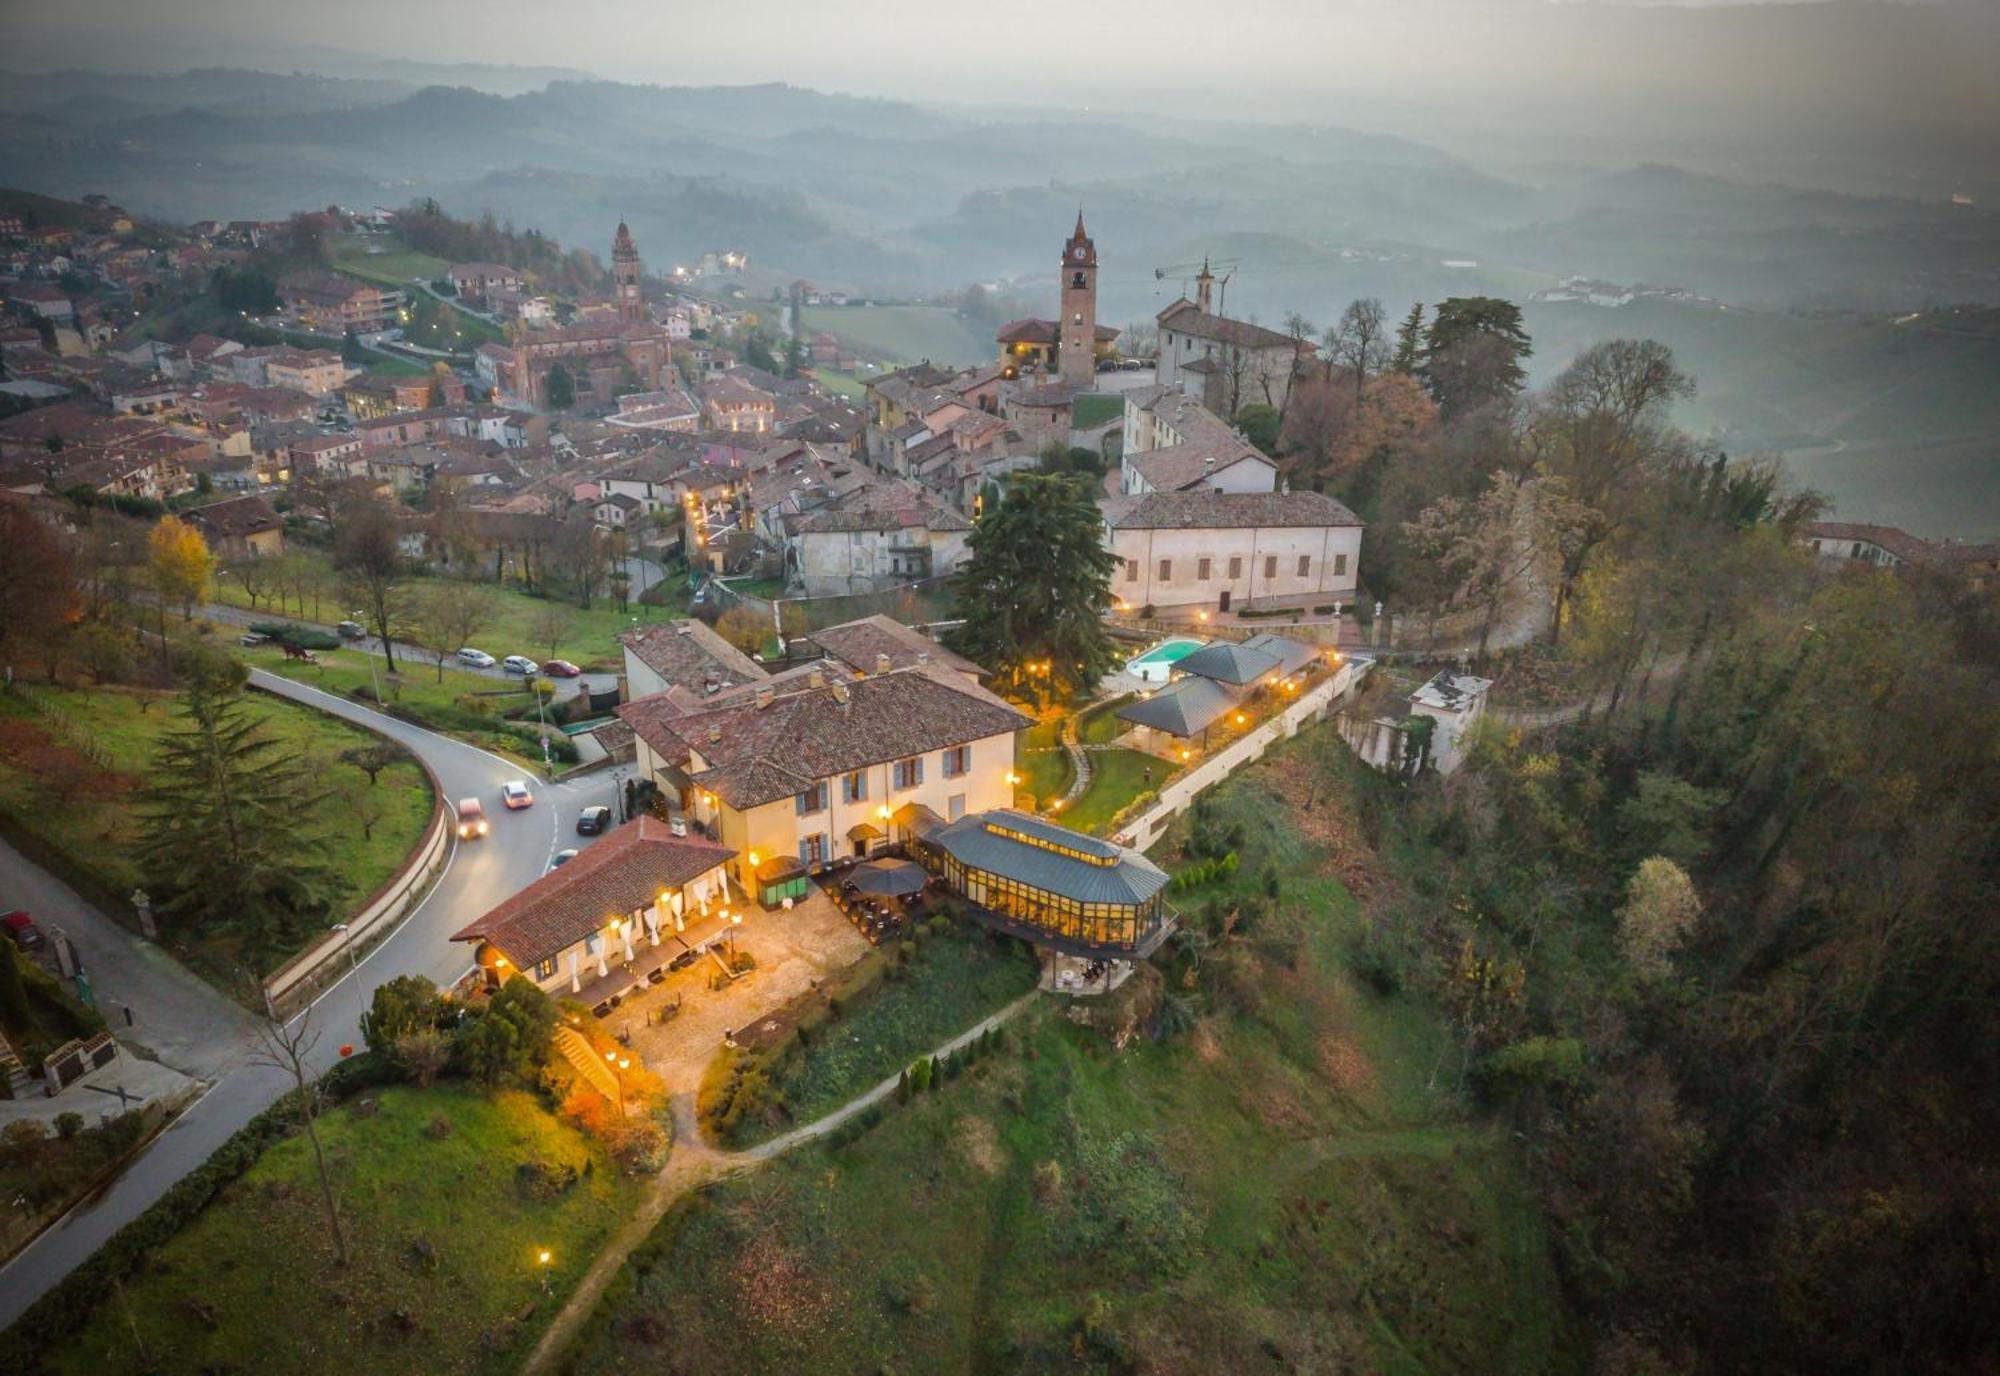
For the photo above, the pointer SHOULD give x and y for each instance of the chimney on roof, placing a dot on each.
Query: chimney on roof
(684, 628)
(881, 663)
(923, 656)
(814, 678)
(764, 696)
(1207, 462)
(714, 732)
(840, 693)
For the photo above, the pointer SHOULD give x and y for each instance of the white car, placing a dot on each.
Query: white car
(514, 793)
(520, 664)
(478, 659)
(561, 858)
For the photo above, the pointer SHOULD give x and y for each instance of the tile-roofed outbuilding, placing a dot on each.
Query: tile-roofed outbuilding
(859, 644)
(1182, 467)
(1184, 707)
(235, 518)
(624, 871)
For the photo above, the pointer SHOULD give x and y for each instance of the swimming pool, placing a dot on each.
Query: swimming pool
(1157, 663)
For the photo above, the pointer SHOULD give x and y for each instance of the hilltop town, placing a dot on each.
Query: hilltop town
(586, 823)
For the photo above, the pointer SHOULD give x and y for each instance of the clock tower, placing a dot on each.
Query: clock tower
(625, 277)
(1076, 328)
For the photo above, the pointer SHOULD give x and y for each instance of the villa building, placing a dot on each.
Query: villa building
(1232, 549)
(815, 762)
(1225, 364)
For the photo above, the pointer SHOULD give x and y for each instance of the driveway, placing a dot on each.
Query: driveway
(183, 1019)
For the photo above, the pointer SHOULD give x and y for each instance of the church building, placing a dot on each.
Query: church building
(1069, 346)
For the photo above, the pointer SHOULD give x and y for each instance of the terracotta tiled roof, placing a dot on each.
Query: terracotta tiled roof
(1027, 332)
(1191, 319)
(1227, 511)
(759, 754)
(1183, 466)
(688, 654)
(624, 871)
(236, 518)
(858, 643)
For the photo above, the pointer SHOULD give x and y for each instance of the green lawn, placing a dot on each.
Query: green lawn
(904, 334)
(444, 1276)
(1099, 723)
(587, 637)
(467, 706)
(1116, 778)
(1095, 408)
(86, 811)
(951, 981)
(840, 384)
(394, 267)
(1275, 1189)
(1041, 762)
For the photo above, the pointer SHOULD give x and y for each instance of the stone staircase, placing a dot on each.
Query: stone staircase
(1078, 760)
(13, 1072)
(577, 1050)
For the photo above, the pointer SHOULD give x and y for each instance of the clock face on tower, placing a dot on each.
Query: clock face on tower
(1077, 253)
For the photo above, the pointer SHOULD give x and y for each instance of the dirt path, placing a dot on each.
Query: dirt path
(694, 1164)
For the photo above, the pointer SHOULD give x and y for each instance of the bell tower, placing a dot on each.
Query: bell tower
(1076, 328)
(625, 277)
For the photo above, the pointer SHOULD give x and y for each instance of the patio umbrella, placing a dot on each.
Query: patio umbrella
(891, 878)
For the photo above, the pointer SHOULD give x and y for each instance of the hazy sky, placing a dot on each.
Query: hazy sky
(1261, 53)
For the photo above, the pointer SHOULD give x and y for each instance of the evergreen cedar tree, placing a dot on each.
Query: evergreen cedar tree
(1036, 588)
(227, 838)
(1472, 353)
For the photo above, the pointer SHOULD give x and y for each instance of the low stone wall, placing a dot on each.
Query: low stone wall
(1144, 829)
(301, 978)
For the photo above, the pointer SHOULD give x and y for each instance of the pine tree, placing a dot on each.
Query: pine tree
(1036, 588)
(230, 838)
(1409, 343)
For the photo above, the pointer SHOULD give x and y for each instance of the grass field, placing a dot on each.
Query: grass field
(903, 334)
(587, 637)
(840, 384)
(1274, 1189)
(1041, 762)
(88, 811)
(394, 267)
(1099, 723)
(1096, 408)
(1116, 778)
(443, 1277)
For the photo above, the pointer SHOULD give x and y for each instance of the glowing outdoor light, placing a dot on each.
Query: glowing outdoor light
(882, 812)
(754, 859)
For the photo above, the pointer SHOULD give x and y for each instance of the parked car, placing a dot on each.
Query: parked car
(253, 638)
(592, 821)
(350, 630)
(514, 793)
(560, 668)
(21, 929)
(471, 819)
(478, 659)
(562, 857)
(519, 664)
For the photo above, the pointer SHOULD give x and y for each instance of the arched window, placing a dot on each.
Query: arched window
(1079, 281)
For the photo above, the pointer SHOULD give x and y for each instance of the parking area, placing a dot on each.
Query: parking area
(791, 950)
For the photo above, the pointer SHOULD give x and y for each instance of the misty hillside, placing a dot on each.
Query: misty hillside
(892, 197)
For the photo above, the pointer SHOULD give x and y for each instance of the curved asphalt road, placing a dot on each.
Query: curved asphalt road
(477, 875)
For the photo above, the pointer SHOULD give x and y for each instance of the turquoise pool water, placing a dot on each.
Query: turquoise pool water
(1158, 662)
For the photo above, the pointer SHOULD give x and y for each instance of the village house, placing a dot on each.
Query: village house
(1844, 542)
(240, 528)
(329, 456)
(1175, 444)
(1429, 729)
(330, 304)
(1232, 550)
(669, 409)
(316, 372)
(875, 538)
(1224, 364)
(477, 282)
(735, 405)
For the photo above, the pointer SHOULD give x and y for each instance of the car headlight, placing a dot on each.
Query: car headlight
(482, 828)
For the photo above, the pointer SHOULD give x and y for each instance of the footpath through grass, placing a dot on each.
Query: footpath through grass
(71, 778)
(444, 1276)
(894, 1004)
(1116, 778)
(1236, 1165)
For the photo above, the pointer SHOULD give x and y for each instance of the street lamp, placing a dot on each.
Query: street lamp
(542, 1258)
(347, 943)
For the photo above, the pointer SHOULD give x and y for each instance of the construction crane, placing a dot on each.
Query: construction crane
(1186, 270)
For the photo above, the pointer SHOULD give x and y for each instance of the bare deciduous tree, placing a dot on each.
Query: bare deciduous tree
(287, 1047)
